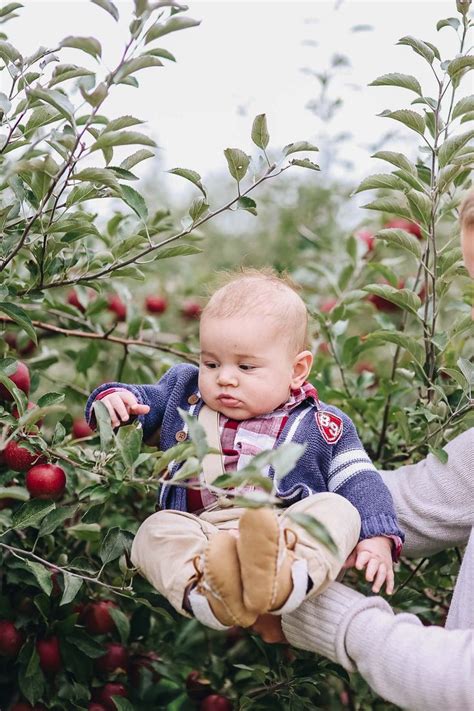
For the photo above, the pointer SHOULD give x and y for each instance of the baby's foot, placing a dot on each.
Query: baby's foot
(217, 599)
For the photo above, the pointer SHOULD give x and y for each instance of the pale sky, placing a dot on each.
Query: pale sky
(246, 58)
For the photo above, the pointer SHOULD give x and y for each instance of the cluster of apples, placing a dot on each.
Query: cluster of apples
(154, 304)
(43, 480)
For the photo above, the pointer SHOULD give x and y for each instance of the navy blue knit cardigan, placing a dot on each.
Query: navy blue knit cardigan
(343, 467)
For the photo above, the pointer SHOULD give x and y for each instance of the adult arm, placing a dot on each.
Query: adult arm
(434, 501)
(410, 665)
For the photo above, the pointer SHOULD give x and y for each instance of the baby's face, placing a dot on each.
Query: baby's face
(246, 367)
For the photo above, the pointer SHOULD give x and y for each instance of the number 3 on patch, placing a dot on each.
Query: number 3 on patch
(330, 426)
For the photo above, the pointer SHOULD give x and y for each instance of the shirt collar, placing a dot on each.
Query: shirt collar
(299, 395)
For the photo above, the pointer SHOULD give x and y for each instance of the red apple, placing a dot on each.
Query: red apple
(96, 617)
(81, 429)
(45, 481)
(116, 305)
(21, 378)
(216, 702)
(30, 406)
(20, 459)
(11, 639)
(364, 367)
(140, 661)
(382, 304)
(25, 706)
(73, 300)
(324, 349)
(23, 346)
(49, 655)
(197, 686)
(104, 694)
(115, 658)
(402, 224)
(328, 306)
(96, 707)
(156, 304)
(368, 238)
(191, 310)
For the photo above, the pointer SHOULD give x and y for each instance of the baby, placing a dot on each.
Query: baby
(228, 565)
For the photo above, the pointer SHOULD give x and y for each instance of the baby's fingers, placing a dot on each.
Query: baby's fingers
(115, 410)
(373, 566)
(380, 577)
(362, 559)
(139, 409)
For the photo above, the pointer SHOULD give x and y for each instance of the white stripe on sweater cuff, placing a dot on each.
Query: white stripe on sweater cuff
(319, 624)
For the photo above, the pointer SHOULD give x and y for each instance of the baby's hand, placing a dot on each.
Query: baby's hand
(121, 404)
(375, 555)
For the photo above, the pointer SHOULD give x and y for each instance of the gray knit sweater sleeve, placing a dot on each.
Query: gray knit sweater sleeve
(412, 666)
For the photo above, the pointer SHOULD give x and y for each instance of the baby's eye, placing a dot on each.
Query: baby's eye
(210, 365)
(244, 366)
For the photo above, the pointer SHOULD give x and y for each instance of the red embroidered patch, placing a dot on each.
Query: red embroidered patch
(329, 425)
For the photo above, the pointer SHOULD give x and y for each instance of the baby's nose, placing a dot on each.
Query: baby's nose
(227, 376)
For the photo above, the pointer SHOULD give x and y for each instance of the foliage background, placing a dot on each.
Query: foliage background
(73, 216)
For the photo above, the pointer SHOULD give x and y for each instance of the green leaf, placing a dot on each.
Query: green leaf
(56, 99)
(190, 175)
(420, 206)
(86, 644)
(173, 24)
(134, 65)
(136, 157)
(19, 493)
(109, 7)
(448, 22)
(103, 425)
(10, 7)
(63, 72)
(460, 64)
(299, 146)
(420, 47)
(464, 105)
(42, 575)
(122, 704)
(447, 175)
(50, 399)
(404, 298)
(96, 97)
(246, 203)
(196, 432)
(400, 238)
(409, 118)
(86, 44)
(41, 116)
(409, 343)
(198, 209)
(121, 622)
(55, 518)
(129, 443)
(396, 204)
(468, 117)
(158, 52)
(260, 135)
(5, 103)
(284, 459)
(179, 250)
(405, 81)
(447, 260)
(316, 529)
(31, 513)
(108, 139)
(379, 181)
(439, 453)
(237, 162)
(9, 52)
(101, 176)
(121, 122)
(410, 180)
(72, 585)
(135, 201)
(397, 159)
(115, 543)
(452, 146)
(20, 317)
(467, 369)
(305, 163)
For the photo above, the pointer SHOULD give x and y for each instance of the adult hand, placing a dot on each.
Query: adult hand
(269, 629)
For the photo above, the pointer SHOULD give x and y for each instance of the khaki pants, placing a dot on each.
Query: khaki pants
(167, 542)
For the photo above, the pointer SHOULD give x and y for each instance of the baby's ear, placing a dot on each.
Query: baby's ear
(301, 367)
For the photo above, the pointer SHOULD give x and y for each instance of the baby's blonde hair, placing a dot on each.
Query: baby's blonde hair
(265, 293)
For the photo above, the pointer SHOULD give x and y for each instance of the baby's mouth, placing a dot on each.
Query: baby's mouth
(228, 400)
